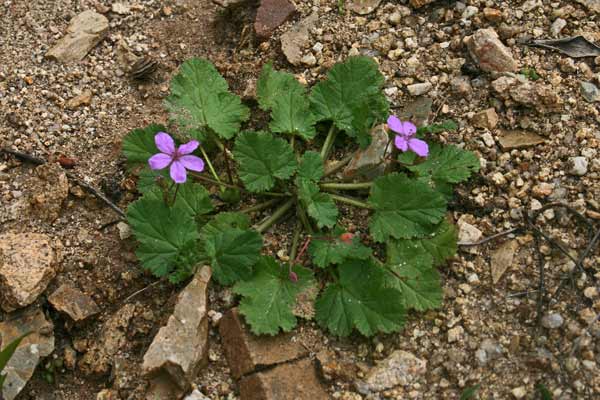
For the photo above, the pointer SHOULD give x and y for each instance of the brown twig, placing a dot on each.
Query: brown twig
(71, 176)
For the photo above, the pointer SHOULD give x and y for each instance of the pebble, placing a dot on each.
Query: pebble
(557, 26)
(578, 166)
(455, 334)
(590, 92)
(552, 321)
(419, 89)
(519, 392)
(309, 59)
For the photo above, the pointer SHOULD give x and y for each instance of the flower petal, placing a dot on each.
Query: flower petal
(192, 163)
(159, 161)
(188, 147)
(408, 128)
(394, 123)
(178, 173)
(419, 147)
(165, 143)
(401, 143)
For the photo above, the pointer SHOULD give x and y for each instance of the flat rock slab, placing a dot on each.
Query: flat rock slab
(297, 38)
(73, 302)
(400, 368)
(270, 15)
(39, 344)
(363, 7)
(519, 140)
(370, 162)
(28, 262)
(180, 348)
(291, 381)
(246, 352)
(489, 52)
(85, 31)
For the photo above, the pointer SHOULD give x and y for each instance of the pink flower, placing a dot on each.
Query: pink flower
(180, 159)
(405, 139)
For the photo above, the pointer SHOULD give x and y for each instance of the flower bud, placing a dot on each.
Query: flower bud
(293, 276)
(347, 237)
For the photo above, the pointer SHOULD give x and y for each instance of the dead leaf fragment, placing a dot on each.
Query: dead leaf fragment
(502, 259)
(519, 140)
(575, 46)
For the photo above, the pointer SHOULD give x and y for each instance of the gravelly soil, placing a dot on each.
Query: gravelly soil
(424, 45)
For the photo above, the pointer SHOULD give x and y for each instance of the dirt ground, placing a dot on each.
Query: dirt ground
(486, 333)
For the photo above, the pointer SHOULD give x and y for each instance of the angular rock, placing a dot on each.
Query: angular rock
(332, 367)
(180, 348)
(270, 15)
(502, 259)
(590, 92)
(592, 5)
(468, 233)
(246, 352)
(516, 139)
(370, 162)
(419, 89)
(297, 38)
(492, 14)
(85, 31)
(73, 302)
(400, 368)
(489, 52)
(108, 394)
(84, 99)
(28, 262)
(39, 344)
(362, 7)
(100, 356)
(417, 111)
(540, 97)
(578, 166)
(50, 188)
(196, 395)
(485, 119)
(121, 8)
(552, 321)
(420, 3)
(290, 381)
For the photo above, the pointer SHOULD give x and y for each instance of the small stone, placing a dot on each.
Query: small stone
(519, 392)
(591, 292)
(419, 89)
(179, 349)
(400, 368)
(370, 162)
(557, 26)
(73, 302)
(108, 394)
(537, 95)
(69, 357)
(489, 52)
(362, 7)
(270, 15)
(331, 367)
(485, 119)
(502, 259)
(36, 346)
(578, 166)
(196, 395)
(593, 5)
(492, 14)
(468, 233)
(297, 38)
(296, 380)
(84, 99)
(121, 8)
(124, 230)
(28, 262)
(542, 189)
(50, 189)
(515, 139)
(420, 3)
(395, 18)
(455, 334)
(469, 12)
(488, 139)
(552, 321)
(590, 92)
(246, 352)
(85, 31)
(309, 60)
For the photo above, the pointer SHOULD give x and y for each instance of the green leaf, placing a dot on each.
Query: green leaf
(138, 145)
(544, 392)
(470, 392)
(411, 272)
(200, 100)
(445, 126)
(327, 250)
(447, 164)
(262, 159)
(7, 353)
(407, 158)
(320, 206)
(225, 221)
(271, 85)
(151, 179)
(360, 300)
(191, 198)
(269, 296)
(291, 114)
(441, 245)
(311, 166)
(233, 253)
(163, 233)
(351, 97)
(404, 208)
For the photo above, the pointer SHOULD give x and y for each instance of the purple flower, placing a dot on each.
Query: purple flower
(180, 158)
(405, 136)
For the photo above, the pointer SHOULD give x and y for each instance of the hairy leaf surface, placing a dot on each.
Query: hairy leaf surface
(233, 253)
(331, 249)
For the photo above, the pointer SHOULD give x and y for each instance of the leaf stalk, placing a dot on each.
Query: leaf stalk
(280, 212)
(350, 201)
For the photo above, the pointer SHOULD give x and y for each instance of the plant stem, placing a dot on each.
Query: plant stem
(328, 142)
(260, 206)
(280, 212)
(348, 200)
(302, 215)
(339, 165)
(227, 166)
(346, 186)
(209, 180)
(274, 194)
(210, 166)
(295, 241)
(293, 141)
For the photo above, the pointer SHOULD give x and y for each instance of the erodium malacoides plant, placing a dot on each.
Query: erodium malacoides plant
(365, 282)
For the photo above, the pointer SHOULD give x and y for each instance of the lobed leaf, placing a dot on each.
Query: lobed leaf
(225, 221)
(320, 206)
(233, 253)
(404, 208)
(271, 85)
(262, 159)
(269, 296)
(447, 164)
(200, 100)
(360, 300)
(191, 198)
(328, 250)
(311, 166)
(440, 245)
(138, 145)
